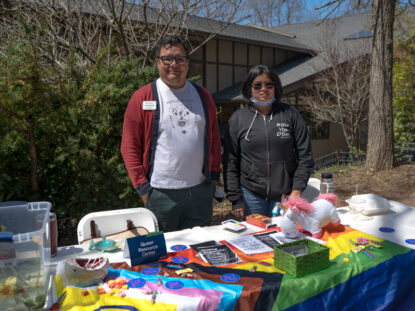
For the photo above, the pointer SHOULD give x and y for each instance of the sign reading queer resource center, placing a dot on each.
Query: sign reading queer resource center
(145, 248)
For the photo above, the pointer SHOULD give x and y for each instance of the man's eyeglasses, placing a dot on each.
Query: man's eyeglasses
(257, 86)
(168, 60)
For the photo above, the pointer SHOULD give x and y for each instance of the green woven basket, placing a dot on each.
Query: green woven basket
(316, 259)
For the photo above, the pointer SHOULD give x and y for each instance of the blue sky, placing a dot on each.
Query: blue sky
(315, 3)
(312, 4)
(312, 14)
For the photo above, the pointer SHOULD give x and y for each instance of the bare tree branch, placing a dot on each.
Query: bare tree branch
(271, 13)
(124, 28)
(340, 93)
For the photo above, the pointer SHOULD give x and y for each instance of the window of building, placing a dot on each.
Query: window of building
(254, 55)
(198, 54)
(240, 53)
(225, 76)
(240, 73)
(211, 78)
(267, 57)
(317, 130)
(211, 51)
(225, 52)
(222, 63)
(196, 69)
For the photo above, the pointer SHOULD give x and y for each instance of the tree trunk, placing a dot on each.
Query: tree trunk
(380, 138)
(33, 159)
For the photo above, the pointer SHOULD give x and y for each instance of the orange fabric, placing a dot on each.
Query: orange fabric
(246, 301)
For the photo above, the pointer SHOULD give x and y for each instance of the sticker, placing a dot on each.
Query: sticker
(178, 247)
(180, 259)
(174, 285)
(136, 283)
(150, 271)
(117, 307)
(149, 105)
(362, 241)
(410, 241)
(386, 229)
(368, 254)
(175, 266)
(230, 277)
(358, 248)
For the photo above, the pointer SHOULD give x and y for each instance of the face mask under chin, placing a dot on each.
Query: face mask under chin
(262, 104)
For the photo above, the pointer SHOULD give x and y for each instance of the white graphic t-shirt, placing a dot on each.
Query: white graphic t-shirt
(178, 161)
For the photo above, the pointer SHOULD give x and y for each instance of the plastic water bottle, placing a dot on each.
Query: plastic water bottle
(326, 184)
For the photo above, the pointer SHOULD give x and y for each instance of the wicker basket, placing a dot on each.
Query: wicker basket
(316, 259)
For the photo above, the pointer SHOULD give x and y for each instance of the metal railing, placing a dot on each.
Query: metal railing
(338, 158)
(403, 154)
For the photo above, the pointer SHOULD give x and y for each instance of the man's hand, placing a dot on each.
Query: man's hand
(144, 197)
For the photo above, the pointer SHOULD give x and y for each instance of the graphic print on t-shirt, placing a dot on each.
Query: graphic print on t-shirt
(179, 154)
(180, 117)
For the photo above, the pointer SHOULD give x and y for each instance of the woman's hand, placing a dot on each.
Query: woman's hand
(295, 194)
(238, 212)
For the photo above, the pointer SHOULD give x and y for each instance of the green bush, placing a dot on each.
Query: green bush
(76, 115)
(404, 85)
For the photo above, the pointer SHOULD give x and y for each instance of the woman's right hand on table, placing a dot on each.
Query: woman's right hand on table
(238, 212)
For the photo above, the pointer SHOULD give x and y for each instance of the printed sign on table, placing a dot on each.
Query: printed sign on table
(145, 248)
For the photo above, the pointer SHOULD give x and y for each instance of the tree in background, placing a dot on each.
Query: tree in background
(75, 127)
(343, 7)
(128, 28)
(61, 37)
(28, 100)
(380, 145)
(271, 13)
(88, 173)
(340, 94)
(404, 83)
(67, 71)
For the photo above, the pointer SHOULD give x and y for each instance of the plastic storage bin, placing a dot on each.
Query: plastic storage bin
(24, 251)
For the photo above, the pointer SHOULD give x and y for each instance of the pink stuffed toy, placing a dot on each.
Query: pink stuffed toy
(312, 217)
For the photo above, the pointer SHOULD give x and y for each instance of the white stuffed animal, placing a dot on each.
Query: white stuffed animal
(311, 217)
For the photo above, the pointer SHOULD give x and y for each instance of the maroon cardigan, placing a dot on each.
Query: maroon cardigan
(139, 137)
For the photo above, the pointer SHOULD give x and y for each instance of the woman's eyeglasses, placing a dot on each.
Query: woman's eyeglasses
(168, 60)
(268, 85)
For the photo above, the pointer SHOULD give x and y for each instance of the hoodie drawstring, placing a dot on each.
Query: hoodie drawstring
(249, 129)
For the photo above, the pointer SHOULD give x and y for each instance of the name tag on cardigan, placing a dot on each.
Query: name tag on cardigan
(149, 105)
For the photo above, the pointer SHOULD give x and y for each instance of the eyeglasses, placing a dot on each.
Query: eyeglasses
(168, 60)
(268, 85)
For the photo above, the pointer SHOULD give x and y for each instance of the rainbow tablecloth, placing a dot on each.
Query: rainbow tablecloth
(384, 282)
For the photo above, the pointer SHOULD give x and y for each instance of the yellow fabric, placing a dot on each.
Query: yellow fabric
(75, 301)
(341, 244)
(260, 267)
